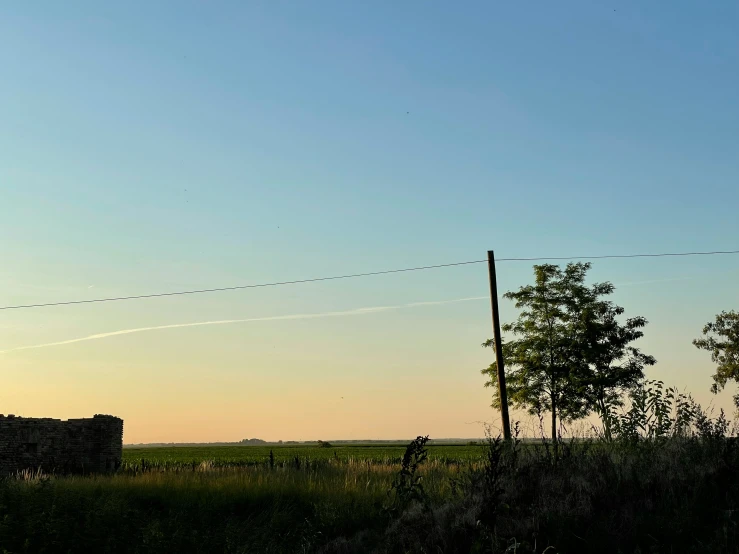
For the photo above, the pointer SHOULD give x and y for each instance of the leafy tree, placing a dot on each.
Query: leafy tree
(570, 355)
(612, 365)
(540, 362)
(721, 339)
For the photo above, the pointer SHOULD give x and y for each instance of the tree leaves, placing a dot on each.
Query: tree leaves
(721, 339)
(569, 354)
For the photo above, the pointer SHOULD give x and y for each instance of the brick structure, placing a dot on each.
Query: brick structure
(52, 445)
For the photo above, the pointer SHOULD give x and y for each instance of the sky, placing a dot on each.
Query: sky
(156, 147)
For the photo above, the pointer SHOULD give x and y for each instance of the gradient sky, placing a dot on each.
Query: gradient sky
(159, 146)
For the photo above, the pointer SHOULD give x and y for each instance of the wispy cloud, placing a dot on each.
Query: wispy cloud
(357, 311)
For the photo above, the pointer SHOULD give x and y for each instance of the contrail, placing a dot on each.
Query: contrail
(357, 311)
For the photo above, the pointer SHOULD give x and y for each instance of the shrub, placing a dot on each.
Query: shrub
(407, 483)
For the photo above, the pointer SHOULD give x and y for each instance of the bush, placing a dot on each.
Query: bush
(661, 492)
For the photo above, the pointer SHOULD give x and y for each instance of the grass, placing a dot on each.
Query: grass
(673, 488)
(678, 495)
(205, 509)
(239, 456)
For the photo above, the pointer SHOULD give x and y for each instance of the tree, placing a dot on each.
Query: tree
(721, 339)
(612, 365)
(540, 362)
(571, 355)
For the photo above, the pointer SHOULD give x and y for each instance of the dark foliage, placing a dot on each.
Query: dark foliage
(664, 494)
(407, 487)
(721, 339)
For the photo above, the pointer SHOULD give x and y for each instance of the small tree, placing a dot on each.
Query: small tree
(721, 339)
(613, 366)
(543, 358)
(571, 355)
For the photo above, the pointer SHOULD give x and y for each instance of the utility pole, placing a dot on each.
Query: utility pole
(498, 347)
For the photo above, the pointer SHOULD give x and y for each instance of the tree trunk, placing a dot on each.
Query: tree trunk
(554, 422)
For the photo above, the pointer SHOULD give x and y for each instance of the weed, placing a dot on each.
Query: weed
(407, 486)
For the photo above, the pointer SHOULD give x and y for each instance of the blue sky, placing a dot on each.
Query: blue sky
(147, 148)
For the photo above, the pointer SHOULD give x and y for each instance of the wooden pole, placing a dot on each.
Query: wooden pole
(498, 347)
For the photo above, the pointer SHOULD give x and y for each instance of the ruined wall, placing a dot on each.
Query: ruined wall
(77, 445)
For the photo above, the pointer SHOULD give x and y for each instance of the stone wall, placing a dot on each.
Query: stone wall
(52, 445)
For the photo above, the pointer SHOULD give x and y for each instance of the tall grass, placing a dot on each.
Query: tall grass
(667, 483)
(201, 509)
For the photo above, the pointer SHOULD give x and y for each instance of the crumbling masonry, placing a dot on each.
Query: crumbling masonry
(52, 445)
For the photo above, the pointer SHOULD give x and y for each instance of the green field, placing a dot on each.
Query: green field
(667, 496)
(167, 457)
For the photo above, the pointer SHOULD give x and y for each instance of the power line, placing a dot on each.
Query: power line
(354, 275)
(663, 255)
(221, 289)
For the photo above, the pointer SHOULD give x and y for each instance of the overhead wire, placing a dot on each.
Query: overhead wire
(356, 275)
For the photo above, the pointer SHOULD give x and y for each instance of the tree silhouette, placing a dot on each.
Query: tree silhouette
(612, 365)
(721, 339)
(569, 354)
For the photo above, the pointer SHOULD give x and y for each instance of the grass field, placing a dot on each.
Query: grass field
(667, 496)
(241, 456)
